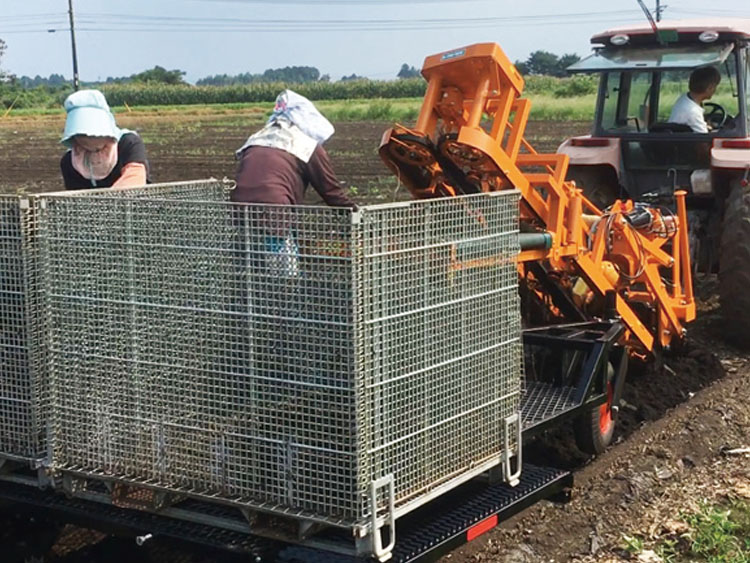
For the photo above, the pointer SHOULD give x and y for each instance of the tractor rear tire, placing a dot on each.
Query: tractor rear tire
(734, 265)
(599, 184)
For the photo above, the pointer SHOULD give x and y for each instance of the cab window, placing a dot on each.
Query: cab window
(626, 102)
(674, 83)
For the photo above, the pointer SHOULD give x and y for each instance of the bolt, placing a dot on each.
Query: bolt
(140, 540)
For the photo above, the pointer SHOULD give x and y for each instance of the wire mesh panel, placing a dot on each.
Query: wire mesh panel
(21, 393)
(197, 190)
(282, 357)
(23, 381)
(440, 325)
(205, 347)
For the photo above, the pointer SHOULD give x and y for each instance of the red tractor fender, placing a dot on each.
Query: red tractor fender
(731, 154)
(593, 151)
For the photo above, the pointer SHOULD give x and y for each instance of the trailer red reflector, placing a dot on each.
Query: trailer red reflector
(587, 142)
(744, 144)
(478, 529)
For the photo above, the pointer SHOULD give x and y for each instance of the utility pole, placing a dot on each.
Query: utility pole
(76, 83)
(659, 10)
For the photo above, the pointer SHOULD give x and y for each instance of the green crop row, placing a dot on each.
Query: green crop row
(139, 94)
(161, 94)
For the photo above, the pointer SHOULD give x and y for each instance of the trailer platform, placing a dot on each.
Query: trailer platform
(429, 532)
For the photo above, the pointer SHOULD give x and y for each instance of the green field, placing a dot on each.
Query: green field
(544, 107)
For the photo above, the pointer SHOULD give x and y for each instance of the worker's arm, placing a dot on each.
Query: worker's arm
(132, 154)
(133, 174)
(323, 179)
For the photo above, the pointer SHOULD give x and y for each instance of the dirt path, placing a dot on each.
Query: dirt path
(660, 468)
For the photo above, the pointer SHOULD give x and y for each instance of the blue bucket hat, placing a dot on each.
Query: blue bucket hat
(88, 114)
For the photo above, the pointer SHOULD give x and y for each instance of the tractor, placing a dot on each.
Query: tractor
(635, 152)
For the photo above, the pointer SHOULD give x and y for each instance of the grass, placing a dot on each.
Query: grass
(546, 107)
(715, 534)
(721, 534)
(404, 110)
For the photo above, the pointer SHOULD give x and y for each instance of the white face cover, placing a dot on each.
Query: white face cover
(94, 164)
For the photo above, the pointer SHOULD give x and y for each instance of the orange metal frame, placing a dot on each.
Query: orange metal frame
(469, 137)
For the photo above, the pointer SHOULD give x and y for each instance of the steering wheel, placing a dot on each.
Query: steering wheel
(714, 114)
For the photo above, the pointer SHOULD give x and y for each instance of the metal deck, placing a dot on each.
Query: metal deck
(541, 402)
(451, 520)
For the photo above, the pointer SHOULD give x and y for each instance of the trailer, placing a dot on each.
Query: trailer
(321, 384)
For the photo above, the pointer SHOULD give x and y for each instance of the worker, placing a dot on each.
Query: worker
(101, 155)
(689, 107)
(278, 162)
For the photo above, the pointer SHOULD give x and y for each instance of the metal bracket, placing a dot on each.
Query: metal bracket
(72, 485)
(228, 183)
(141, 498)
(45, 478)
(251, 517)
(509, 475)
(356, 217)
(308, 528)
(378, 551)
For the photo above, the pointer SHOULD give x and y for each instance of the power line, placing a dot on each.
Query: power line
(90, 22)
(710, 12)
(295, 29)
(347, 2)
(556, 17)
(97, 22)
(32, 16)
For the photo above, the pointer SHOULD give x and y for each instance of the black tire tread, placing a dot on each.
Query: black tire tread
(734, 266)
(589, 437)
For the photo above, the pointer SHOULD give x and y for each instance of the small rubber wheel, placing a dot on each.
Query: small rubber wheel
(595, 428)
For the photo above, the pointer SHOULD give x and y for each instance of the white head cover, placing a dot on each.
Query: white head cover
(302, 113)
(295, 126)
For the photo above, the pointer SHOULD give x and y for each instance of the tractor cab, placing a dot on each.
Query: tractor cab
(638, 150)
(635, 147)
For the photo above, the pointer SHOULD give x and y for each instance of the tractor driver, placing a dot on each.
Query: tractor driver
(689, 107)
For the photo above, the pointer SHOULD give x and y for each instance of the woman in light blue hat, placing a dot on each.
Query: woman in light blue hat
(101, 155)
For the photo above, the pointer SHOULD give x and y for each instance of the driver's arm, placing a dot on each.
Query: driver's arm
(698, 123)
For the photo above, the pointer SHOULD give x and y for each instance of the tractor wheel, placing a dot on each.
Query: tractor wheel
(734, 265)
(595, 429)
(599, 184)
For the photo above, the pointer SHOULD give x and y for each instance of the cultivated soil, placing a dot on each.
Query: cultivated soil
(188, 147)
(676, 444)
(677, 432)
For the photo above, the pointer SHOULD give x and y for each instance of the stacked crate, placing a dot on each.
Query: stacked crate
(284, 359)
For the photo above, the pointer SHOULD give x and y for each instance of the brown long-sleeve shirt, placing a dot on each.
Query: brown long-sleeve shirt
(269, 175)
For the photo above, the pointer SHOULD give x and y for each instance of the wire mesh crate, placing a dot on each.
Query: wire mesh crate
(333, 365)
(23, 381)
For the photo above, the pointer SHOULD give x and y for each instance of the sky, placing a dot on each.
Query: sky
(370, 38)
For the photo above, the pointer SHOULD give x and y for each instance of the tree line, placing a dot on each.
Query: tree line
(538, 63)
(23, 92)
